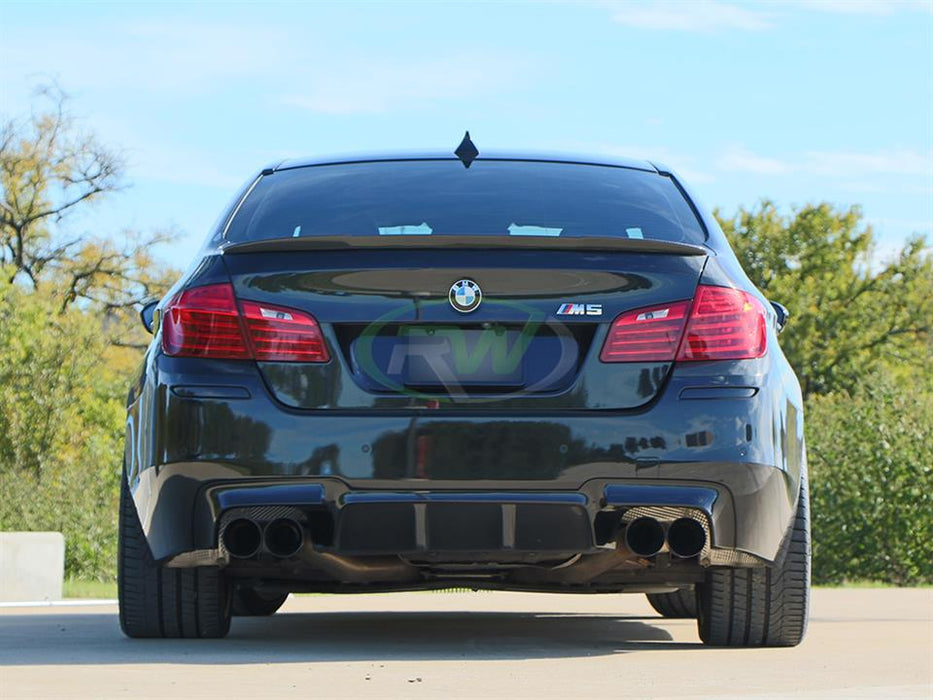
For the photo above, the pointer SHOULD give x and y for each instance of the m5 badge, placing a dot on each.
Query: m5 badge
(580, 310)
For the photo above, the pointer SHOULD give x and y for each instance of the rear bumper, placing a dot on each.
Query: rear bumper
(747, 508)
(206, 438)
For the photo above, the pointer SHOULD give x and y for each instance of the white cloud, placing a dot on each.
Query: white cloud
(716, 15)
(178, 60)
(742, 160)
(159, 74)
(838, 164)
(690, 15)
(144, 57)
(854, 164)
(374, 87)
(892, 234)
(163, 165)
(865, 7)
(862, 187)
(914, 225)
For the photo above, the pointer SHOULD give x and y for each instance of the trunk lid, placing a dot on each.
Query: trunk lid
(398, 343)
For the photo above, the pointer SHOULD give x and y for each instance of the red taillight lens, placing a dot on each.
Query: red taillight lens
(725, 324)
(719, 324)
(206, 322)
(283, 335)
(646, 335)
(203, 322)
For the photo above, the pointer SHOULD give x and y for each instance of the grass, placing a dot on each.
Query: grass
(870, 584)
(76, 588)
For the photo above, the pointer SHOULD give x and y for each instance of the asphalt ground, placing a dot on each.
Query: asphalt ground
(862, 643)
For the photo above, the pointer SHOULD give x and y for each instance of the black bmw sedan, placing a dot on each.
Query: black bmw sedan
(488, 371)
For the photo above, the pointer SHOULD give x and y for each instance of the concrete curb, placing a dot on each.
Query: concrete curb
(32, 566)
(76, 603)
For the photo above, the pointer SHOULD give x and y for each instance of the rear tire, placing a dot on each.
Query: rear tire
(681, 604)
(156, 601)
(763, 607)
(248, 602)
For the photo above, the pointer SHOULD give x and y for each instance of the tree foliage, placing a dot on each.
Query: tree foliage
(871, 466)
(51, 170)
(860, 338)
(850, 315)
(61, 425)
(69, 335)
(47, 170)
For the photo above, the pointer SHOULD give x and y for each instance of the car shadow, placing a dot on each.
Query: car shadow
(55, 639)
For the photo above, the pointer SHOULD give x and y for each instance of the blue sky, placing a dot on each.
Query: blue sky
(795, 101)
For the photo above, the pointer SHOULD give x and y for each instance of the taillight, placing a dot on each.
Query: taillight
(203, 322)
(283, 335)
(719, 324)
(725, 324)
(651, 334)
(206, 322)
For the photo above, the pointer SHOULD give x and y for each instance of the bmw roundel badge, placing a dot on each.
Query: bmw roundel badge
(465, 296)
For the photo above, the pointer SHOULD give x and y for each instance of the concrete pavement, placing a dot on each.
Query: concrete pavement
(862, 643)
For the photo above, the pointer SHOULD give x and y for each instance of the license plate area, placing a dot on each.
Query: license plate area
(456, 360)
(449, 357)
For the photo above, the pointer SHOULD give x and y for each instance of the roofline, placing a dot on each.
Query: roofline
(519, 156)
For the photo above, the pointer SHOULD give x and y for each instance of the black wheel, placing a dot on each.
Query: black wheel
(248, 602)
(763, 607)
(679, 604)
(156, 601)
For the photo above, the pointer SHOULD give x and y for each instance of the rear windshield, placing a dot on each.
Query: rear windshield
(441, 197)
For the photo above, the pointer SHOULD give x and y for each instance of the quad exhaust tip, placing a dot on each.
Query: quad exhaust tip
(284, 537)
(242, 538)
(686, 537)
(644, 536)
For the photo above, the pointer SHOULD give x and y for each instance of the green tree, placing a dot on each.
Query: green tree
(50, 170)
(851, 315)
(871, 466)
(69, 335)
(61, 426)
(859, 338)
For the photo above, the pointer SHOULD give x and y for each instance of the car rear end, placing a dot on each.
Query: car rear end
(406, 374)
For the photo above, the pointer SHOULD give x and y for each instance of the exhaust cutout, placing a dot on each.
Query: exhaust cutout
(284, 537)
(686, 537)
(242, 538)
(644, 536)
